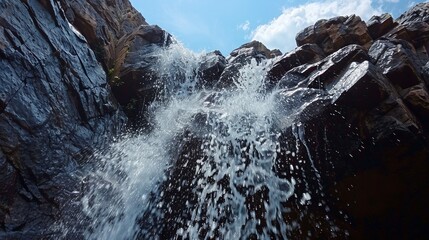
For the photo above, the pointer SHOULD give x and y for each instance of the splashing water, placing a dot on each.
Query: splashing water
(207, 169)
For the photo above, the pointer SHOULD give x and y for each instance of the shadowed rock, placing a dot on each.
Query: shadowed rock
(211, 67)
(307, 53)
(241, 56)
(380, 25)
(56, 106)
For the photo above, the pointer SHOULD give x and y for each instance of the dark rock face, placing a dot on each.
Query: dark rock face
(55, 104)
(211, 67)
(374, 133)
(307, 53)
(398, 61)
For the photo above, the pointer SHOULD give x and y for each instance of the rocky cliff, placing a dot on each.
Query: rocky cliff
(71, 71)
(55, 106)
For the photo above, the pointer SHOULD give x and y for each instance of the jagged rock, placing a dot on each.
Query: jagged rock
(418, 13)
(102, 22)
(380, 25)
(374, 133)
(413, 27)
(56, 105)
(125, 44)
(361, 86)
(254, 50)
(305, 54)
(333, 34)
(325, 71)
(417, 99)
(398, 61)
(334, 65)
(132, 77)
(211, 67)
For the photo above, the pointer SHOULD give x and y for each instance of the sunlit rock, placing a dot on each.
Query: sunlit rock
(335, 33)
(398, 61)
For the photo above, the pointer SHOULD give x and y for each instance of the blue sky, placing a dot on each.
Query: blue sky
(226, 24)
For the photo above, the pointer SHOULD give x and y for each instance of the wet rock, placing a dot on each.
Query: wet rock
(380, 25)
(418, 13)
(398, 61)
(253, 51)
(333, 34)
(334, 65)
(56, 106)
(211, 68)
(126, 46)
(417, 99)
(325, 71)
(305, 54)
(131, 75)
(360, 86)
(102, 22)
(413, 27)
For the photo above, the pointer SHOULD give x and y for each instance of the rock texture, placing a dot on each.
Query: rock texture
(252, 51)
(335, 33)
(366, 137)
(55, 105)
(370, 143)
(125, 45)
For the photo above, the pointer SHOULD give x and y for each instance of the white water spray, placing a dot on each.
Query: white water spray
(238, 192)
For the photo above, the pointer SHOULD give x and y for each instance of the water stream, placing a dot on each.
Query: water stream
(209, 166)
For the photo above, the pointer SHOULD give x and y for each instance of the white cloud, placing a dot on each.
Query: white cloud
(280, 32)
(244, 26)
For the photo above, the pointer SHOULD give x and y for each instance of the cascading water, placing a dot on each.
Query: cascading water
(209, 166)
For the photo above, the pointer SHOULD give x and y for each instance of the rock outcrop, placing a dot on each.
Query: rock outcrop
(55, 106)
(252, 51)
(370, 143)
(125, 45)
(335, 33)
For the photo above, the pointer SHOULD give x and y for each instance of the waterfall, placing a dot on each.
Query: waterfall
(209, 167)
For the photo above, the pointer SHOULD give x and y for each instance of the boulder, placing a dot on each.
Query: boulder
(210, 69)
(335, 33)
(380, 25)
(413, 27)
(325, 71)
(418, 13)
(132, 76)
(252, 51)
(398, 61)
(307, 53)
(361, 86)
